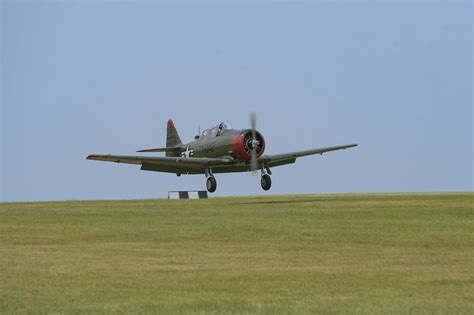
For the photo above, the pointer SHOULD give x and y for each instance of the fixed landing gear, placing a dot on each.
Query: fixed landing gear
(211, 184)
(266, 181)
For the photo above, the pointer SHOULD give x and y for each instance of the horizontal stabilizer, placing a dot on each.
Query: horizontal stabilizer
(169, 149)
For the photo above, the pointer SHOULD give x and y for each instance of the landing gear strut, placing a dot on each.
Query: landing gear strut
(211, 183)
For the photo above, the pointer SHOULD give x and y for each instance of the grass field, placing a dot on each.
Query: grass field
(362, 253)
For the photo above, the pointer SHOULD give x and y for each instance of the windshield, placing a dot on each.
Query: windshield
(216, 131)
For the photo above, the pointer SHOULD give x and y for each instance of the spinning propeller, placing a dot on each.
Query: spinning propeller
(254, 144)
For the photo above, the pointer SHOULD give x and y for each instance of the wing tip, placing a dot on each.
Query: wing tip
(94, 156)
(348, 146)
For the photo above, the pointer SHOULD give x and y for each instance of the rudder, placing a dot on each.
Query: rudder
(172, 137)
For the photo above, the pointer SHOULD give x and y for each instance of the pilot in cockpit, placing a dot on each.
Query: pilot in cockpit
(221, 129)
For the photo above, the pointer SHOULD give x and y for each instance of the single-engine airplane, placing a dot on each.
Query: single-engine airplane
(216, 150)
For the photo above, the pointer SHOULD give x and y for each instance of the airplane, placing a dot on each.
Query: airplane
(220, 149)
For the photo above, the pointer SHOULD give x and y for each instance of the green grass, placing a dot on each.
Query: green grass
(362, 253)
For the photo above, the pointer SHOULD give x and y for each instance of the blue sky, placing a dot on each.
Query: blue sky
(104, 77)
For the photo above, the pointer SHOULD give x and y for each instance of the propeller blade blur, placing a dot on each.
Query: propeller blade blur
(253, 120)
(253, 125)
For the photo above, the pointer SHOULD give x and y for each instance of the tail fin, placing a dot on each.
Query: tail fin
(172, 137)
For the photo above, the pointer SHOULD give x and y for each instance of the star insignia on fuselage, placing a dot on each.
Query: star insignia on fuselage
(187, 153)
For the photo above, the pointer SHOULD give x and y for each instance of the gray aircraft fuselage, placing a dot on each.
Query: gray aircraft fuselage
(232, 142)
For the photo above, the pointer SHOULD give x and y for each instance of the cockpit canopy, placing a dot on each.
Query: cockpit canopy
(217, 130)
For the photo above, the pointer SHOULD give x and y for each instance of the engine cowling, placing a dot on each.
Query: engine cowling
(242, 145)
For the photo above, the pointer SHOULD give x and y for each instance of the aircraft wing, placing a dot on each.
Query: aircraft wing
(163, 164)
(288, 158)
(195, 165)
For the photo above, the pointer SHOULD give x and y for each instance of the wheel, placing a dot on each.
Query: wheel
(266, 182)
(211, 184)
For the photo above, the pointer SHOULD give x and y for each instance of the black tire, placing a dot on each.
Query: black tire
(266, 182)
(211, 184)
